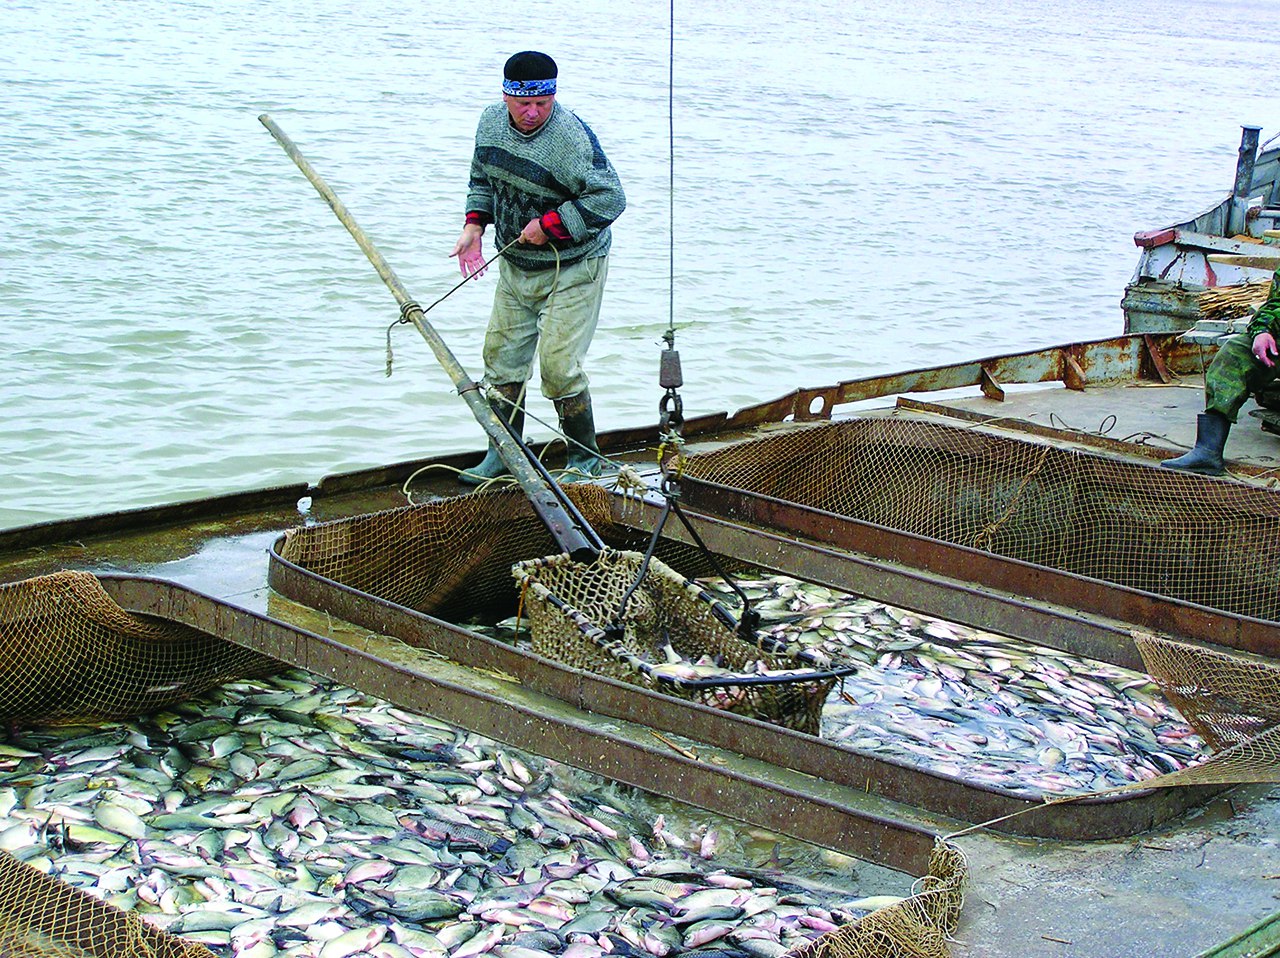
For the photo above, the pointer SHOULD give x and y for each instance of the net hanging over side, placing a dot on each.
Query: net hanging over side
(917, 927)
(42, 917)
(1174, 534)
(75, 655)
(1231, 700)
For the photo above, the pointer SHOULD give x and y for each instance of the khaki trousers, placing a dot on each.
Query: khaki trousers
(550, 312)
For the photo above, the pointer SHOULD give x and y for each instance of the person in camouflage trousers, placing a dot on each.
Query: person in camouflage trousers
(1244, 364)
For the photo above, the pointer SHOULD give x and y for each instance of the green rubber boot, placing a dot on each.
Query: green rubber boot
(1206, 456)
(579, 427)
(492, 466)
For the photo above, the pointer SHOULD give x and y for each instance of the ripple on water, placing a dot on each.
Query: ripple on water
(980, 174)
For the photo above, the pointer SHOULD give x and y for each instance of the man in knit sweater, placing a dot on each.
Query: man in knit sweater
(539, 176)
(1244, 364)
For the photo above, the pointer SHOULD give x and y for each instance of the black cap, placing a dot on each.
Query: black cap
(529, 73)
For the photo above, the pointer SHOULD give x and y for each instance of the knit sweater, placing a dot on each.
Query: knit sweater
(517, 177)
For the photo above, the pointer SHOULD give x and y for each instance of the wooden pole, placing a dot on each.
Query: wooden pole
(571, 531)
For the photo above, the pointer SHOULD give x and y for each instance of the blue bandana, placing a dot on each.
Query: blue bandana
(529, 87)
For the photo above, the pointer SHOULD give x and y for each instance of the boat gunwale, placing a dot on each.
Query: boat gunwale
(1116, 357)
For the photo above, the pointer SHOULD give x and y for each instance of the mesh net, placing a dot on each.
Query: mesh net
(1231, 700)
(42, 917)
(917, 927)
(452, 558)
(578, 616)
(1227, 698)
(66, 635)
(1215, 544)
(75, 655)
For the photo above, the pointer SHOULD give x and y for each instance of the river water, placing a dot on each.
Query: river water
(857, 187)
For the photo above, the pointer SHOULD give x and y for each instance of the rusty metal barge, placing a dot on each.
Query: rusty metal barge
(1089, 877)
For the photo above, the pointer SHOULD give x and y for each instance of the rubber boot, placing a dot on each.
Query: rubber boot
(1206, 457)
(579, 427)
(492, 466)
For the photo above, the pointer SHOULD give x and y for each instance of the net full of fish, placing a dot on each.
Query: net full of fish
(299, 818)
(973, 705)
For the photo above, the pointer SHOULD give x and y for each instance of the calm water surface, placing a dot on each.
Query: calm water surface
(859, 187)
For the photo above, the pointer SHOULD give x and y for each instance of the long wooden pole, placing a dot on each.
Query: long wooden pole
(571, 531)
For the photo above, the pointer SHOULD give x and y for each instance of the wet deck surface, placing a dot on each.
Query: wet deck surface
(1175, 891)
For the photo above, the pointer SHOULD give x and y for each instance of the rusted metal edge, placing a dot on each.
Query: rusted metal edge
(898, 782)
(133, 520)
(1064, 596)
(781, 800)
(1101, 360)
(1116, 359)
(286, 497)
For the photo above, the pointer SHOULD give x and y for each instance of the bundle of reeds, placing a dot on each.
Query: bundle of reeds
(1227, 302)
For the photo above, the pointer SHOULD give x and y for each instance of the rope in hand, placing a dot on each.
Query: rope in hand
(410, 306)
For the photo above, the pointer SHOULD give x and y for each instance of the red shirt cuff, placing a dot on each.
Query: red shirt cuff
(478, 218)
(553, 227)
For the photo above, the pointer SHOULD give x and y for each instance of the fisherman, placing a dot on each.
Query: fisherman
(539, 175)
(1244, 364)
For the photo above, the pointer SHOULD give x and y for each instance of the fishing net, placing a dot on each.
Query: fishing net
(452, 558)
(1231, 700)
(916, 927)
(75, 655)
(42, 917)
(1162, 531)
(618, 618)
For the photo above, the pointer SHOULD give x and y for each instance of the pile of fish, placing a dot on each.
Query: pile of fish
(971, 704)
(290, 816)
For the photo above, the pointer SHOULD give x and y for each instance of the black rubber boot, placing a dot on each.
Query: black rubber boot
(1206, 457)
(492, 466)
(579, 427)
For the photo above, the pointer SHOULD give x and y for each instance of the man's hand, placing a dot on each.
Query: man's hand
(470, 251)
(1264, 349)
(533, 234)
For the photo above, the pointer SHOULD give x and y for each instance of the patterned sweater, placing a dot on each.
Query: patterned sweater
(1267, 318)
(560, 167)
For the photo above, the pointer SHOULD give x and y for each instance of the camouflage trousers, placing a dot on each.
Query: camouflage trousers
(1233, 376)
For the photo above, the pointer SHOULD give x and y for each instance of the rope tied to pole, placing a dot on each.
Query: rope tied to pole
(407, 308)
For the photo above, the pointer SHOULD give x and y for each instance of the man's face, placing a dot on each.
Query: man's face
(529, 112)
